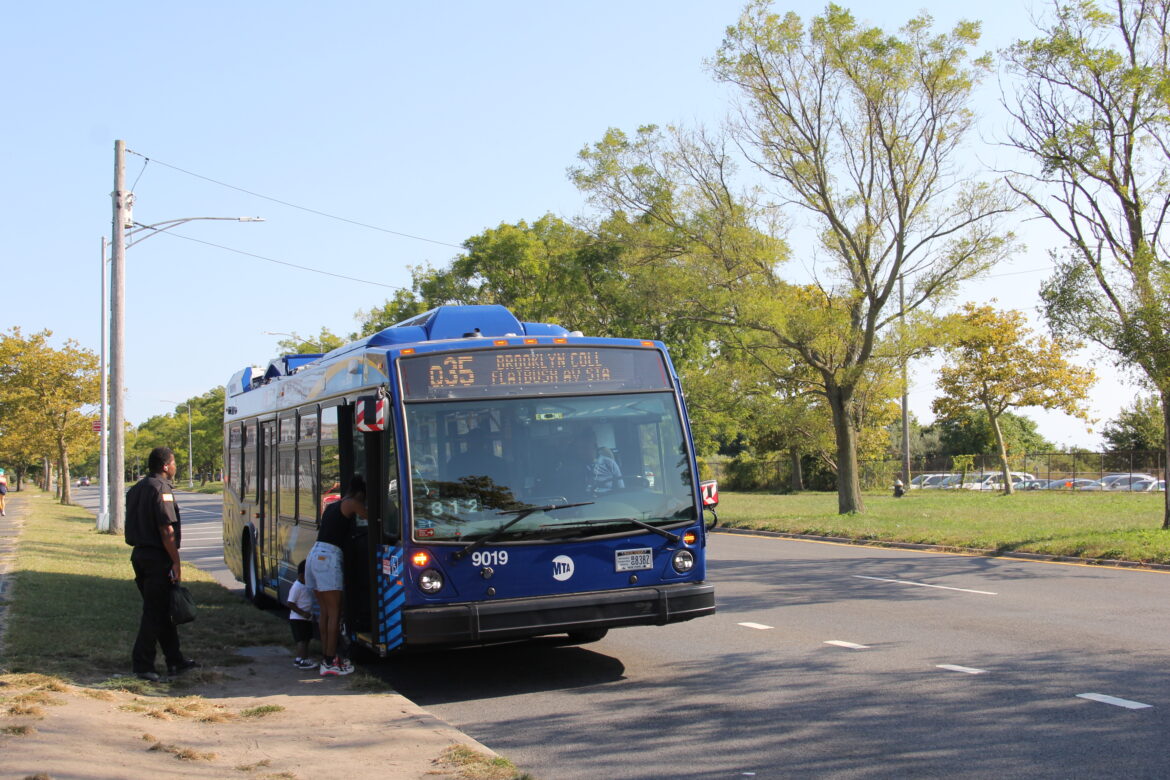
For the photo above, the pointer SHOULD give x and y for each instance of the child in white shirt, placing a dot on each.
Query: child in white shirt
(300, 619)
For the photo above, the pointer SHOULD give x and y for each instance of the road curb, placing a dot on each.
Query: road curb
(942, 548)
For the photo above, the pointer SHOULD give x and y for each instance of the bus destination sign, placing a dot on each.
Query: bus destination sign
(558, 370)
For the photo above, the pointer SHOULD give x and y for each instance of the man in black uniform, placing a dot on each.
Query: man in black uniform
(152, 528)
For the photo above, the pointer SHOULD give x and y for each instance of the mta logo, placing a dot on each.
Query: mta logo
(562, 568)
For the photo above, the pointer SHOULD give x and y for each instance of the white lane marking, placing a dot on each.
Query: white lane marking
(760, 626)
(849, 645)
(925, 585)
(1116, 702)
(963, 669)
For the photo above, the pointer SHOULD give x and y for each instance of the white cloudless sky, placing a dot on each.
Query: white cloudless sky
(435, 120)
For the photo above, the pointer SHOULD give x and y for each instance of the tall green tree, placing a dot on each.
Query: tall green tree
(969, 432)
(996, 363)
(1136, 427)
(1092, 112)
(47, 390)
(864, 131)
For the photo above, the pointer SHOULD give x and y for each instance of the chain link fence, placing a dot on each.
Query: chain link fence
(776, 473)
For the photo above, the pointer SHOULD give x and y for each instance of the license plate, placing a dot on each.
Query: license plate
(635, 560)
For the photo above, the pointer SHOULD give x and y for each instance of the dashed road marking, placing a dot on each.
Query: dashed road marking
(925, 585)
(963, 669)
(848, 645)
(1116, 702)
(759, 626)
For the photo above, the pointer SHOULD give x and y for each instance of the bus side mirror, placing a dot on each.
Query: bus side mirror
(714, 517)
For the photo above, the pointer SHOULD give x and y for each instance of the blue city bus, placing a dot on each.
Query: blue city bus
(521, 481)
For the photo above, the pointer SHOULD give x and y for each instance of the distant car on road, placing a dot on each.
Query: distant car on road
(83, 482)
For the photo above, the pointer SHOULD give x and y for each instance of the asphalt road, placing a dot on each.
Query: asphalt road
(837, 661)
(202, 517)
(826, 661)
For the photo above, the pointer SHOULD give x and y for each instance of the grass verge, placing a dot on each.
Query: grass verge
(74, 609)
(1111, 526)
(470, 764)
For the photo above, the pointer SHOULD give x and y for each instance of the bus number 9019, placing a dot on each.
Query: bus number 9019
(490, 558)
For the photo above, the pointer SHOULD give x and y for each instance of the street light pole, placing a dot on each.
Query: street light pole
(123, 225)
(103, 517)
(122, 203)
(190, 450)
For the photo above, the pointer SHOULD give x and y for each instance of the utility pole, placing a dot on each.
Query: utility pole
(905, 393)
(122, 217)
(103, 517)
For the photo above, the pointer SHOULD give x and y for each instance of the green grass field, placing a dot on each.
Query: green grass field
(1115, 526)
(74, 609)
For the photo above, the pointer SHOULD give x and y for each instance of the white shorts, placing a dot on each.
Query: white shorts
(323, 570)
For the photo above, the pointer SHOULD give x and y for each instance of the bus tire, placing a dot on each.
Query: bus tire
(587, 635)
(253, 591)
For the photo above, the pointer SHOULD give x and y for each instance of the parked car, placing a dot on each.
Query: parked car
(950, 482)
(1125, 481)
(994, 481)
(1070, 483)
(1148, 486)
(1089, 484)
(1122, 480)
(1034, 484)
(926, 480)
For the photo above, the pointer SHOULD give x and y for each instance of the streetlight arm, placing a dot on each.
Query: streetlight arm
(160, 227)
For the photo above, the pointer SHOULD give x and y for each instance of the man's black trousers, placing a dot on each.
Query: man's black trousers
(152, 569)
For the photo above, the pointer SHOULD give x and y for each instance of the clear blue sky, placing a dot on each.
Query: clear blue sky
(435, 120)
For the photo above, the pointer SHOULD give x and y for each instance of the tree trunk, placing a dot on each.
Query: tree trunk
(848, 482)
(63, 468)
(1165, 398)
(1003, 458)
(796, 476)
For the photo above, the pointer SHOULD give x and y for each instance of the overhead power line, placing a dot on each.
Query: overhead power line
(285, 263)
(294, 205)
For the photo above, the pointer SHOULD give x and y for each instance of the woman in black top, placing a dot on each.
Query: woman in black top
(324, 570)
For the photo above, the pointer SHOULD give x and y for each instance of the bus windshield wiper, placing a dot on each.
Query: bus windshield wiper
(521, 513)
(660, 531)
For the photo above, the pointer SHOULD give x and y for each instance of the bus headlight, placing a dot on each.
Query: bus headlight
(683, 561)
(430, 581)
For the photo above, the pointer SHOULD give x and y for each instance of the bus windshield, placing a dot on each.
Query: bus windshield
(477, 465)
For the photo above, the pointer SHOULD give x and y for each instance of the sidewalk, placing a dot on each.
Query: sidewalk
(260, 719)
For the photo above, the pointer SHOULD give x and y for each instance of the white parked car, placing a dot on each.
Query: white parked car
(1125, 481)
(994, 481)
(923, 481)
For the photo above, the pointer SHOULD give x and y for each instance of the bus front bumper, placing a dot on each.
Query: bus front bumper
(490, 621)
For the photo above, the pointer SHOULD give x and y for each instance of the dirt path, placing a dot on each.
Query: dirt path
(306, 727)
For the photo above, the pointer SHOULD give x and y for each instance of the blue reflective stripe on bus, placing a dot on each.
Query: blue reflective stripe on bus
(391, 596)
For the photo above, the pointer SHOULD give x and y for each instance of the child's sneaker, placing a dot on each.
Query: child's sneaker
(329, 667)
(345, 665)
(304, 663)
